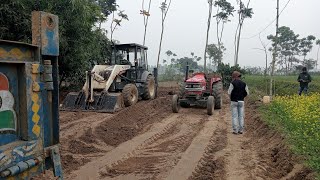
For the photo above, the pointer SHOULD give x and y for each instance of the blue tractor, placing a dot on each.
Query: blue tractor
(29, 102)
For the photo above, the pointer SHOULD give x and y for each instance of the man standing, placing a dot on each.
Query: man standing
(238, 90)
(304, 78)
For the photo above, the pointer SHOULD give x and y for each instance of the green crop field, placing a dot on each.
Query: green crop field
(283, 85)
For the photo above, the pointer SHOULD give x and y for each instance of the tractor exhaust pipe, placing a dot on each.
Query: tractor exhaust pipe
(155, 74)
(187, 72)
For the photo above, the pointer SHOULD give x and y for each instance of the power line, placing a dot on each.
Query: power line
(269, 23)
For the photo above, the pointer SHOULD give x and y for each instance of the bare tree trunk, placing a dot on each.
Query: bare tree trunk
(164, 15)
(235, 43)
(275, 50)
(238, 45)
(266, 70)
(317, 57)
(221, 33)
(207, 38)
(160, 44)
(217, 29)
(146, 19)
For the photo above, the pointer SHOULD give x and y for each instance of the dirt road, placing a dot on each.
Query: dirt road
(147, 141)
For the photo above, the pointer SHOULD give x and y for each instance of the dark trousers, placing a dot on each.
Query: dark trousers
(304, 89)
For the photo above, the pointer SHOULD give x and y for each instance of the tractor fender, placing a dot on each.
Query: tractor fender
(144, 75)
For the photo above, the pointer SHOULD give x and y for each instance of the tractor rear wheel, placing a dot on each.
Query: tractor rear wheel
(175, 104)
(217, 93)
(130, 94)
(210, 105)
(149, 88)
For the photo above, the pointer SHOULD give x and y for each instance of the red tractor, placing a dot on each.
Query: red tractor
(201, 90)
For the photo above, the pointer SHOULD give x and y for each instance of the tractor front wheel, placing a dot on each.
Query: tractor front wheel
(130, 94)
(210, 105)
(175, 104)
(217, 90)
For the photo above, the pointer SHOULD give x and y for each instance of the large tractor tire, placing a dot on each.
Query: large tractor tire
(149, 88)
(130, 94)
(182, 86)
(210, 105)
(175, 104)
(217, 93)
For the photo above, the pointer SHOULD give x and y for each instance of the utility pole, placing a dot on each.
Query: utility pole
(275, 51)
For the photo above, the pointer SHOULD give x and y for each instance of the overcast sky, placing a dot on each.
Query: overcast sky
(185, 27)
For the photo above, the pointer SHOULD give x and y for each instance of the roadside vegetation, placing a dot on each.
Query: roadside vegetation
(296, 117)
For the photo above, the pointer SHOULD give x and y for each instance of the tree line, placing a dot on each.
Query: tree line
(83, 41)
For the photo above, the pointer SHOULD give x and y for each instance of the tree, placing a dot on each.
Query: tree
(210, 2)
(266, 54)
(164, 11)
(15, 20)
(224, 11)
(306, 45)
(309, 63)
(287, 47)
(107, 7)
(225, 70)
(318, 43)
(169, 53)
(82, 41)
(117, 21)
(183, 62)
(146, 15)
(215, 53)
(244, 12)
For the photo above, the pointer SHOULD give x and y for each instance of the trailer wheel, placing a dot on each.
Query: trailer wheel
(149, 88)
(210, 105)
(217, 93)
(130, 94)
(175, 104)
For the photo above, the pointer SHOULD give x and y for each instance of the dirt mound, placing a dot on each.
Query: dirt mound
(66, 117)
(70, 163)
(278, 161)
(133, 120)
(79, 147)
(88, 137)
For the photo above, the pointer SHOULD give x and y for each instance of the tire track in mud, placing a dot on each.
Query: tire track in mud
(125, 150)
(212, 164)
(85, 136)
(74, 151)
(158, 155)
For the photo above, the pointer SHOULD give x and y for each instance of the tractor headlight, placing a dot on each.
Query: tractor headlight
(196, 86)
(193, 86)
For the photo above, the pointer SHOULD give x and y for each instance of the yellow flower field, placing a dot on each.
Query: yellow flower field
(299, 118)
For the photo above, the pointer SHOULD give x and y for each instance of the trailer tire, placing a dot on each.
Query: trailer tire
(217, 93)
(130, 94)
(210, 105)
(149, 88)
(175, 104)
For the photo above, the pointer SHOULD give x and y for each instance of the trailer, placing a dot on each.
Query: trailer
(29, 102)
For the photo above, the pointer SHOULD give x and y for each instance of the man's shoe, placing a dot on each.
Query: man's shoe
(234, 132)
(240, 132)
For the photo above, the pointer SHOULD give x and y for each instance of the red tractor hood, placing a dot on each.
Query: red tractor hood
(197, 78)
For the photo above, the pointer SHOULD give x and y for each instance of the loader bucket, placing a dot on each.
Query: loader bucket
(103, 102)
